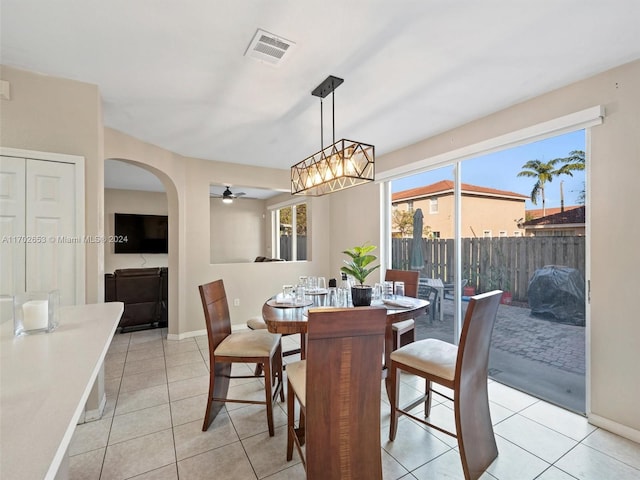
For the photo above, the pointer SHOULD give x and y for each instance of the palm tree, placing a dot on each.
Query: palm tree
(543, 173)
(574, 162)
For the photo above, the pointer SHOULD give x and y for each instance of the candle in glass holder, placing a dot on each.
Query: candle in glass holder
(35, 314)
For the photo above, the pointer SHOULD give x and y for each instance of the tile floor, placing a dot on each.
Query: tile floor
(157, 389)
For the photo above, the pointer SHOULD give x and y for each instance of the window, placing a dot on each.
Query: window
(290, 227)
(486, 234)
(503, 233)
(433, 205)
(410, 205)
(517, 233)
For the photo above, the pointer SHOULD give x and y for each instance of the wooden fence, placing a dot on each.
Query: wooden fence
(488, 263)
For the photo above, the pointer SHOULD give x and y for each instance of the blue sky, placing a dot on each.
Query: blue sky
(500, 170)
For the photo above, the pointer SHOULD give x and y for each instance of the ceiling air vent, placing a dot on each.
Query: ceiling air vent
(269, 48)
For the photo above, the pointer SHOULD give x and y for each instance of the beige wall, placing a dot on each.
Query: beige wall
(187, 183)
(478, 214)
(64, 116)
(130, 201)
(612, 171)
(56, 115)
(238, 230)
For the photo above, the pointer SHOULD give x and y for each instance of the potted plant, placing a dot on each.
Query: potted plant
(358, 268)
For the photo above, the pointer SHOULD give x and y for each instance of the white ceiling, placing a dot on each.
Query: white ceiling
(174, 73)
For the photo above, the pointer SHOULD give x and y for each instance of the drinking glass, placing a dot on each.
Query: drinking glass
(322, 283)
(312, 284)
(287, 292)
(378, 289)
(387, 293)
(399, 289)
(300, 292)
(332, 297)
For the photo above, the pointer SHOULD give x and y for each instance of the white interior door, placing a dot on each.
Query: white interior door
(50, 227)
(12, 229)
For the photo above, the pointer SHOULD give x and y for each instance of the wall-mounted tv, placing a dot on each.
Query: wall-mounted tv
(141, 233)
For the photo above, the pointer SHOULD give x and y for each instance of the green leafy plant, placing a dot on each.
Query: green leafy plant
(357, 267)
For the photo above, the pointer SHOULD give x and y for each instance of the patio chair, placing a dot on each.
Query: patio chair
(404, 332)
(431, 294)
(338, 390)
(462, 368)
(225, 348)
(449, 288)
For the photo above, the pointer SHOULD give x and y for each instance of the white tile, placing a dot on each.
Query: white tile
(86, 466)
(229, 463)
(391, 468)
(90, 436)
(561, 420)
(188, 410)
(515, 463)
(139, 423)
(446, 466)
(509, 398)
(139, 399)
(553, 473)
(189, 387)
(252, 419)
(140, 455)
(543, 442)
(133, 367)
(183, 358)
(615, 446)
(189, 370)
(143, 380)
(191, 440)
(404, 450)
(170, 472)
(294, 472)
(268, 454)
(586, 463)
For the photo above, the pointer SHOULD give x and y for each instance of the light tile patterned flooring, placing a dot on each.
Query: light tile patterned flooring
(157, 391)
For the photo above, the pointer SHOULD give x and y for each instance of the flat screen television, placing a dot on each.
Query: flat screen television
(141, 233)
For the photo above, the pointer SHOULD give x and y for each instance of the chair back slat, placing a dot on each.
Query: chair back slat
(343, 379)
(475, 339)
(476, 440)
(409, 277)
(216, 312)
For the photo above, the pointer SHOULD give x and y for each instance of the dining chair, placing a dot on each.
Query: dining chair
(462, 368)
(226, 348)
(338, 389)
(404, 332)
(258, 323)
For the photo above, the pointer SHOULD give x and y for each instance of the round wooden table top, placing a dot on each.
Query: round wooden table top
(288, 320)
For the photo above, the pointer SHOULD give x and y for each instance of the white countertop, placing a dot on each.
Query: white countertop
(45, 381)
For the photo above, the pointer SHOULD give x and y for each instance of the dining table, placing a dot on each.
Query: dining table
(292, 318)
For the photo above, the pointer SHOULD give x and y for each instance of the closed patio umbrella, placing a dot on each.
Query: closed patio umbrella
(417, 257)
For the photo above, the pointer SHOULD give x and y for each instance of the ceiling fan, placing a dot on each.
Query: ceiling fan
(228, 196)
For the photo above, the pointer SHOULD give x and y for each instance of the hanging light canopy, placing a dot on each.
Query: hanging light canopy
(344, 164)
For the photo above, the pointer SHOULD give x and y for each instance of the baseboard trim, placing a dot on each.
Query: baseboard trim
(182, 336)
(614, 427)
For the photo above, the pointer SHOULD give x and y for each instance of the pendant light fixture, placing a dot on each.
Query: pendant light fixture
(344, 164)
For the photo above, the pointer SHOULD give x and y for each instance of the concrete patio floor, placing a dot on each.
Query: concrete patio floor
(538, 356)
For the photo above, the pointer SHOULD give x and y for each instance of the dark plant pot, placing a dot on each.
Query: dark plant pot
(468, 291)
(361, 295)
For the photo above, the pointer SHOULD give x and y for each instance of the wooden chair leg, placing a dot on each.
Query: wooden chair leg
(290, 420)
(269, 398)
(258, 371)
(395, 398)
(428, 396)
(476, 439)
(218, 388)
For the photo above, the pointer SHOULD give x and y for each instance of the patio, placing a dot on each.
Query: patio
(540, 357)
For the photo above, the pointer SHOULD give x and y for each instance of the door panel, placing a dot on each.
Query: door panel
(12, 225)
(50, 213)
